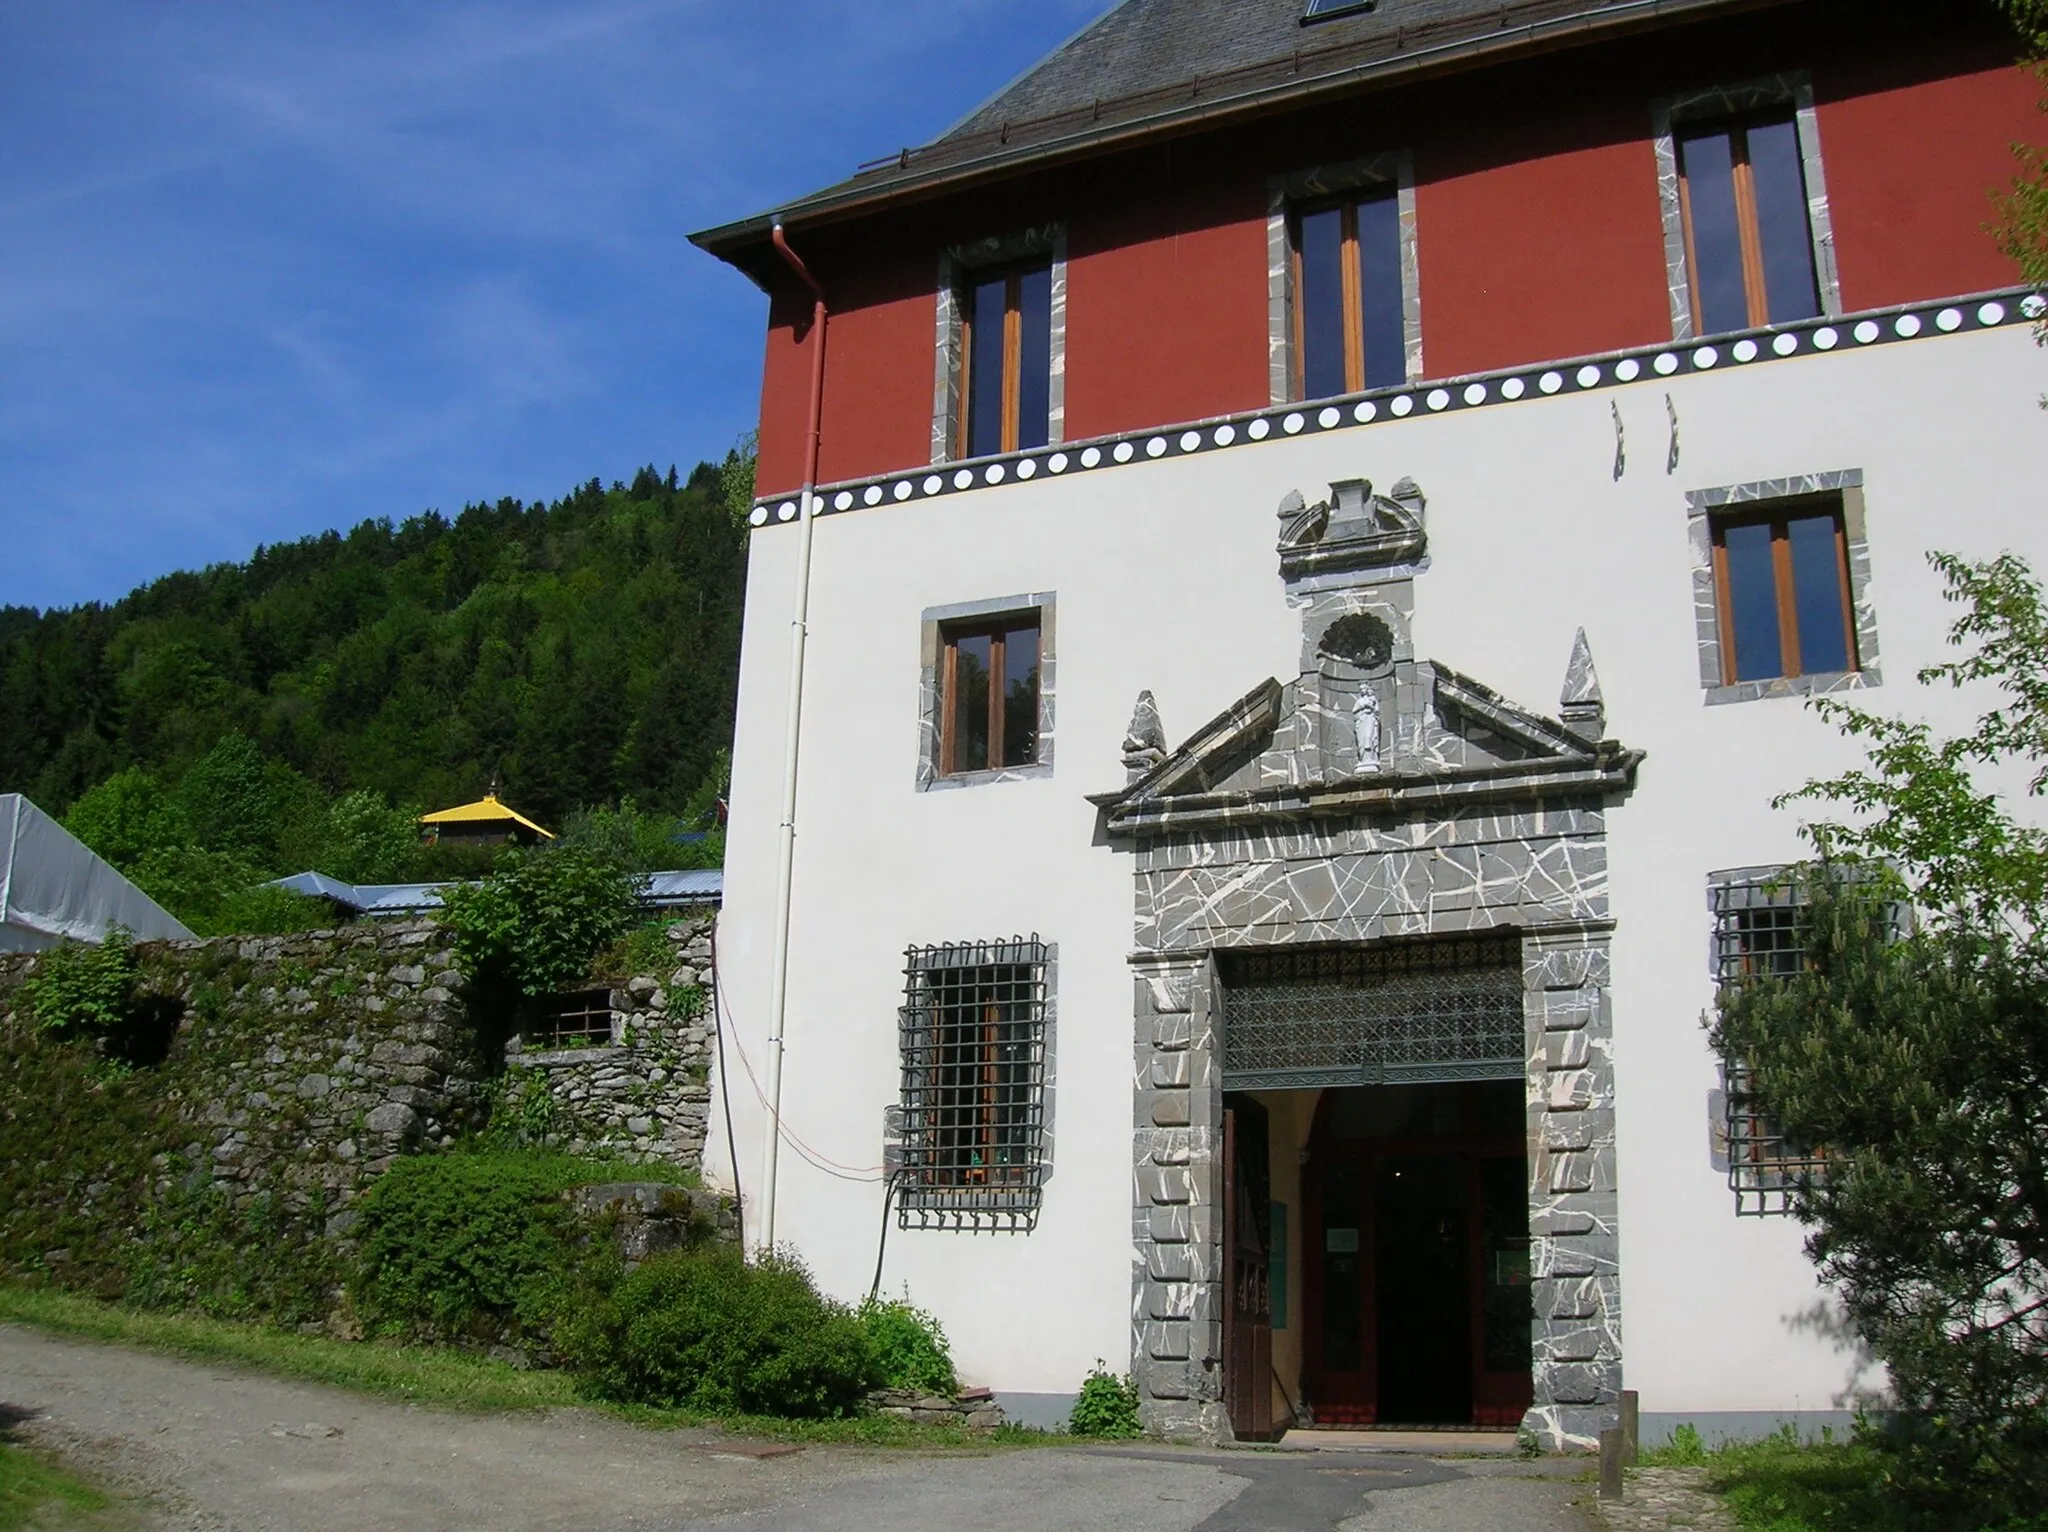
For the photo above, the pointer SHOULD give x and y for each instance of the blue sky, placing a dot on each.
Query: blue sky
(267, 268)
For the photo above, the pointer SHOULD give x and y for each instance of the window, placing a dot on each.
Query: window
(579, 1019)
(972, 1119)
(1756, 914)
(1320, 10)
(1781, 583)
(988, 695)
(1349, 324)
(1006, 360)
(1749, 248)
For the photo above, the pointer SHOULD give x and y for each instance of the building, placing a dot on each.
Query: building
(1407, 464)
(486, 822)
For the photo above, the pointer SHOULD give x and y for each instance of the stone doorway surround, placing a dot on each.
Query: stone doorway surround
(1376, 796)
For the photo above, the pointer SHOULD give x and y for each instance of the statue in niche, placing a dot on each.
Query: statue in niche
(1365, 728)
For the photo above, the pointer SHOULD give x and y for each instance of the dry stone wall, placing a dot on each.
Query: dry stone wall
(304, 1065)
(645, 1094)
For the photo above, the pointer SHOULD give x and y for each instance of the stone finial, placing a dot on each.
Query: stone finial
(1581, 707)
(1145, 740)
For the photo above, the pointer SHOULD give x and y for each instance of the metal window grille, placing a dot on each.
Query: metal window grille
(1757, 914)
(972, 1120)
(1765, 1170)
(579, 1019)
(1407, 1011)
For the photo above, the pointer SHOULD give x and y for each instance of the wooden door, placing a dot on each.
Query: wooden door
(1248, 1308)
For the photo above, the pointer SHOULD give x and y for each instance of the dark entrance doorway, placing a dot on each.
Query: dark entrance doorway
(1416, 1256)
(1248, 1308)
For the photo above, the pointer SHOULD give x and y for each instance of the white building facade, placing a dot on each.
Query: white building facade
(1290, 984)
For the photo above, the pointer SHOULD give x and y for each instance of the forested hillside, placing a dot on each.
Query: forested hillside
(580, 653)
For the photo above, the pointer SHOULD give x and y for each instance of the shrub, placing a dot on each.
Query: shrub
(909, 1344)
(535, 923)
(703, 1330)
(82, 988)
(466, 1246)
(1106, 1407)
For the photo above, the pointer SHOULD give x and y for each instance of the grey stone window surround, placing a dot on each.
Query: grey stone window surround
(956, 264)
(1395, 167)
(1701, 506)
(892, 1115)
(1793, 89)
(932, 625)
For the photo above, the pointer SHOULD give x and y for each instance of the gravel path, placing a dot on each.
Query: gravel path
(215, 1449)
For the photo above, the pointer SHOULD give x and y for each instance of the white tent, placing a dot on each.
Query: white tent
(53, 888)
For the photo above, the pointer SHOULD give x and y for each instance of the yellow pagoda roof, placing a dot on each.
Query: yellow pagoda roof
(484, 811)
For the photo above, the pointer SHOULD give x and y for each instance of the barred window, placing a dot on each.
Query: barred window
(972, 1119)
(1757, 911)
(579, 1019)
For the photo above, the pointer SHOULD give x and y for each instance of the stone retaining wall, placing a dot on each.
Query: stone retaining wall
(645, 1094)
(304, 1065)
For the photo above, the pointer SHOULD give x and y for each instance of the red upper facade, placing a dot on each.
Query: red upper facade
(1539, 231)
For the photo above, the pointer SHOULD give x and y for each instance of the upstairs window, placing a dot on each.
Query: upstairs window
(971, 1125)
(1006, 355)
(1781, 581)
(988, 695)
(1749, 247)
(1349, 318)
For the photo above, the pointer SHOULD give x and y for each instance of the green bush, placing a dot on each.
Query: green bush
(704, 1330)
(472, 1246)
(82, 988)
(1106, 1407)
(535, 923)
(909, 1344)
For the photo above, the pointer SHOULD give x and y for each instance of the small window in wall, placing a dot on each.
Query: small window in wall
(1349, 317)
(1781, 579)
(972, 1121)
(989, 695)
(1006, 351)
(576, 1019)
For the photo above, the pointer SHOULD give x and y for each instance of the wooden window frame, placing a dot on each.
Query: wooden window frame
(1349, 281)
(996, 630)
(1011, 340)
(1778, 516)
(1748, 227)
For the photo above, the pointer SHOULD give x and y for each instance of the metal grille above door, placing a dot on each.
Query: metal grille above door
(1444, 1008)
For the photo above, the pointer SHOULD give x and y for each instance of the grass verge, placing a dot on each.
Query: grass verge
(432, 1376)
(1781, 1484)
(35, 1492)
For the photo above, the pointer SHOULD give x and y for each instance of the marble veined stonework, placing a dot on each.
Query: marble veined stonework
(1285, 820)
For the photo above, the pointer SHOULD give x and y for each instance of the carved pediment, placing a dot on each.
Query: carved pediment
(1437, 738)
(1353, 530)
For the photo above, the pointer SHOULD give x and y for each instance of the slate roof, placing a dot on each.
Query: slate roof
(1155, 65)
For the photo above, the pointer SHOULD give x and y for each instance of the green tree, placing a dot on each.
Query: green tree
(1918, 1063)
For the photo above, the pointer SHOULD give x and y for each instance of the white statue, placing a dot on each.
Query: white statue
(1365, 727)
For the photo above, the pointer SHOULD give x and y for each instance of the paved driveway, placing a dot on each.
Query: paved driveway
(214, 1449)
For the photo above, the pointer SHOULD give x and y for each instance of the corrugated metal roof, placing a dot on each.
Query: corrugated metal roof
(661, 890)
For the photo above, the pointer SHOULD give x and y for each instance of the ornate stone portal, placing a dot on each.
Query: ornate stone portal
(1375, 796)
